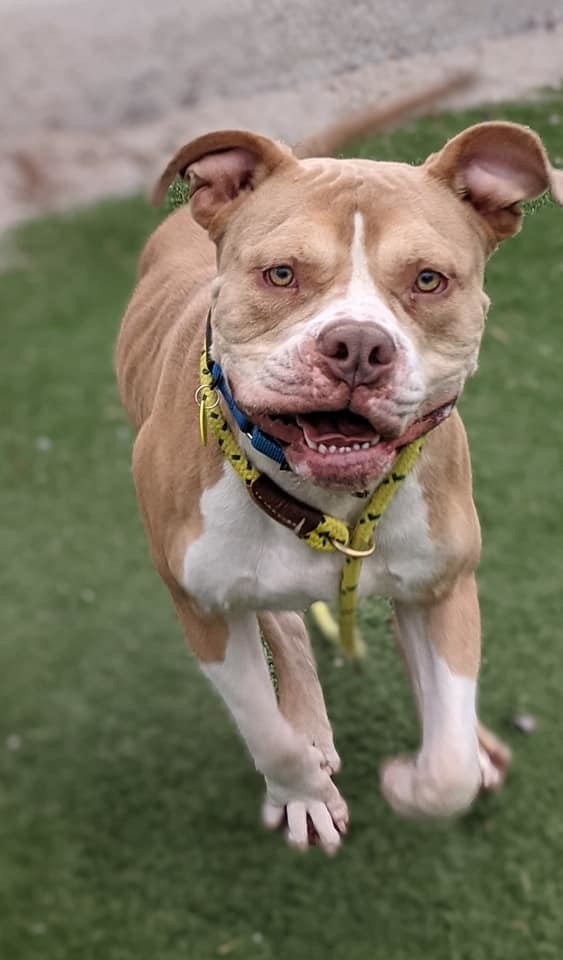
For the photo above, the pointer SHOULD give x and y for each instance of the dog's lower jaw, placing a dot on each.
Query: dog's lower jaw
(347, 471)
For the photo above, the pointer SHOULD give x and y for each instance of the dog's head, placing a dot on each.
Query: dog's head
(349, 305)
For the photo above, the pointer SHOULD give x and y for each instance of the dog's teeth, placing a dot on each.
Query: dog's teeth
(333, 448)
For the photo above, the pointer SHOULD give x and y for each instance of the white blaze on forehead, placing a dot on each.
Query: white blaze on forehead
(363, 300)
(361, 282)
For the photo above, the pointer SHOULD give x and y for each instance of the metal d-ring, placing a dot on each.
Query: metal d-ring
(200, 397)
(350, 551)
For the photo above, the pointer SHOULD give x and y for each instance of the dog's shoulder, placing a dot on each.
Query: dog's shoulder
(445, 478)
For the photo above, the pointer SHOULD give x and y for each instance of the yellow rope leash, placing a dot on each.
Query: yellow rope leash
(330, 534)
(362, 538)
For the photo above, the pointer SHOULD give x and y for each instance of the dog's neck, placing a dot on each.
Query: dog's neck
(338, 503)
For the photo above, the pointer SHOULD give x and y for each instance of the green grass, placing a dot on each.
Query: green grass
(128, 808)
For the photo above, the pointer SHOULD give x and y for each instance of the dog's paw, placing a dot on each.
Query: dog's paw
(495, 758)
(414, 791)
(309, 804)
(491, 777)
(309, 822)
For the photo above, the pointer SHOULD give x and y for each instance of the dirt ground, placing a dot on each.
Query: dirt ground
(95, 96)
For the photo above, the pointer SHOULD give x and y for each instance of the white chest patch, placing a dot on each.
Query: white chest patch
(244, 560)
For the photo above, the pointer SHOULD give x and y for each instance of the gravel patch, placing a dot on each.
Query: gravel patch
(106, 91)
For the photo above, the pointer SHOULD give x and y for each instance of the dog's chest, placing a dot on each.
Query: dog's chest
(245, 560)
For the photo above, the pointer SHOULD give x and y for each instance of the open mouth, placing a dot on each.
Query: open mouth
(340, 448)
(340, 431)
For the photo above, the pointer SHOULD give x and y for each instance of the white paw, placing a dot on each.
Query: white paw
(491, 775)
(309, 823)
(413, 790)
(310, 804)
(494, 757)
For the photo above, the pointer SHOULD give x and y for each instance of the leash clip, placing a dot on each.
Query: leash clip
(351, 551)
(202, 396)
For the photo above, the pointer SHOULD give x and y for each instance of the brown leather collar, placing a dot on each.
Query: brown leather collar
(284, 508)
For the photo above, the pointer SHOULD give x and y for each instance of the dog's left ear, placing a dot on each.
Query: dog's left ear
(495, 166)
(220, 167)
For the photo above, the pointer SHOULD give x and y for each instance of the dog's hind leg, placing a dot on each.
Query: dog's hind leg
(299, 690)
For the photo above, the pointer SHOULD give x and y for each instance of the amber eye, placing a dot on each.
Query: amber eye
(281, 276)
(430, 281)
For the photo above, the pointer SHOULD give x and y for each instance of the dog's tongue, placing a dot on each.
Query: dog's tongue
(341, 427)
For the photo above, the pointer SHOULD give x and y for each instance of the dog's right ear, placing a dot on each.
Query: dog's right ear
(220, 167)
(495, 166)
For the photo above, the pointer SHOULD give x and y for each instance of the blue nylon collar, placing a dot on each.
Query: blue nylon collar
(260, 441)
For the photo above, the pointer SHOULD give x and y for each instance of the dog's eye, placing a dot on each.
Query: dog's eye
(282, 276)
(430, 281)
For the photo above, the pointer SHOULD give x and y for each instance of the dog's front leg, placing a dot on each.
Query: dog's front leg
(300, 694)
(441, 645)
(298, 785)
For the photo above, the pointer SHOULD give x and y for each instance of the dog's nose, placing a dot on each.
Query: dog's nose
(358, 352)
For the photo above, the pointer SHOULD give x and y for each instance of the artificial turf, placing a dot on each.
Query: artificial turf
(128, 808)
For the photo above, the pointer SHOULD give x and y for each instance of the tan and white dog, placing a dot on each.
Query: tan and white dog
(347, 305)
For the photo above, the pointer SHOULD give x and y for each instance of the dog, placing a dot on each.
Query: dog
(342, 306)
